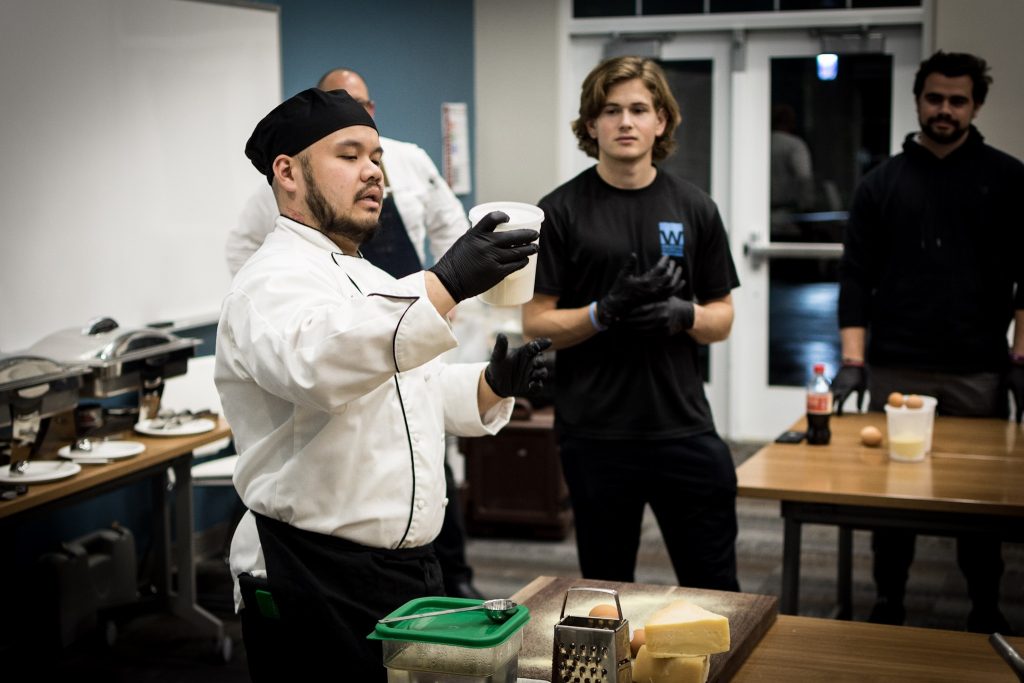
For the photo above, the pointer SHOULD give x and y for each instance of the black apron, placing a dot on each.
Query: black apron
(330, 593)
(390, 249)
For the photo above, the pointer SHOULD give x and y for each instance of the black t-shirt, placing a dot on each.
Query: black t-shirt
(620, 384)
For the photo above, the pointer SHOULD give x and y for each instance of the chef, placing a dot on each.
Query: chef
(328, 369)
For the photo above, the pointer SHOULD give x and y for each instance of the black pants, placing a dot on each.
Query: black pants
(450, 544)
(330, 594)
(978, 556)
(690, 484)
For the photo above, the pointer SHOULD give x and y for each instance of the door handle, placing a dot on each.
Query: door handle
(759, 252)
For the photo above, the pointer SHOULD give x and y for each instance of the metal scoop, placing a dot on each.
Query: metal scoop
(499, 611)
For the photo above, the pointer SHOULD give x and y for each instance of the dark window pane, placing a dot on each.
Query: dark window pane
(742, 6)
(603, 8)
(651, 7)
(791, 5)
(843, 126)
(803, 328)
(690, 81)
(857, 4)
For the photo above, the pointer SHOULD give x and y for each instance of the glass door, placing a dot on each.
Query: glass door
(805, 131)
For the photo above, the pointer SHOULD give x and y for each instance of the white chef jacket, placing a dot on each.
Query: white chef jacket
(424, 200)
(328, 371)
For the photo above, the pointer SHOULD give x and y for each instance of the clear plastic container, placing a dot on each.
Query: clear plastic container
(465, 647)
(910, 430)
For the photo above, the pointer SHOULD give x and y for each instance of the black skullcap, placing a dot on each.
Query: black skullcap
(298, 122)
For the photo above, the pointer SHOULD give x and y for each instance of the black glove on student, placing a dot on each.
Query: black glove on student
(515, 372)
(481, 258)
(849, 379)
(632, 289)
(671, 316)
(1016, 382)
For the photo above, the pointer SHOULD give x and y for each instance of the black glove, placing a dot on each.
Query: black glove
(849, 379)
(1016, 382)
(481, 258)
(632, 289)
(671, 316)
(515, 372)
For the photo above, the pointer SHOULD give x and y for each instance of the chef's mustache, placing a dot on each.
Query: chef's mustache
(368, 189)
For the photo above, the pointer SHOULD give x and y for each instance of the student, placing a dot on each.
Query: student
(633, 275)
(931, 255)
(329, 375)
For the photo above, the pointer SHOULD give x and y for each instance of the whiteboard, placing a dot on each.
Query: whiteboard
(122, 133)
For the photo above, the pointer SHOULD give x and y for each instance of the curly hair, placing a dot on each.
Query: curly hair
(611, 72)
(953, 64)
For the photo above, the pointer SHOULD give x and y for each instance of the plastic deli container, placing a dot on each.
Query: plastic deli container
(465, 647)
(516, 288)
(910, 430)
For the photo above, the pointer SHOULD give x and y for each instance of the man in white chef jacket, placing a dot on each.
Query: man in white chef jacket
(329, 375)
(419, 207)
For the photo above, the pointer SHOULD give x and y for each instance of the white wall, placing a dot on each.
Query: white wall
(122, 130)
(990, 29)
(519, 59)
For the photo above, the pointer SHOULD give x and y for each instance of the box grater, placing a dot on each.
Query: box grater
(591, 649)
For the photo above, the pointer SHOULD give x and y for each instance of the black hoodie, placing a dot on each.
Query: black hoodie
(931, 255)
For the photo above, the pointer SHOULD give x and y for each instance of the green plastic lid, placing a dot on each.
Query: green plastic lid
(462, 629)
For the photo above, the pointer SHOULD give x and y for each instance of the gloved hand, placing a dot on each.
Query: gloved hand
(515, 372)
(632, 289)
(481, 258)
(1016, 382)
(671, 316)
(849, 379)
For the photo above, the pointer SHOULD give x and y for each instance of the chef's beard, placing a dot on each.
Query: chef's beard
(329, 221)
(942, 138)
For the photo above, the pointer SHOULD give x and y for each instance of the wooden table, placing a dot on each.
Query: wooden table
(973, 481)
(807, 650)
(164, 458)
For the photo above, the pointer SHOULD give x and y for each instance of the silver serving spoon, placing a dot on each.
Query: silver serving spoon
(499, 611)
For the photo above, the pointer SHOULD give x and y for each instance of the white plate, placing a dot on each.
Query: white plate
(103, 451)
(40, 471)
(196, 426)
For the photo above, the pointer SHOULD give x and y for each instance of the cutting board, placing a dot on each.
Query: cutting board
(749, 616)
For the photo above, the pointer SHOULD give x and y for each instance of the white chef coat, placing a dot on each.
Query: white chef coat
(424, 200)
(328, 372)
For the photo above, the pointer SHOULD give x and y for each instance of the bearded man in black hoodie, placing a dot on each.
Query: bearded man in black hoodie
(932, 254)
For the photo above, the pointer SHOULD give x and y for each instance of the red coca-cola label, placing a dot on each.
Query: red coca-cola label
(819, 404)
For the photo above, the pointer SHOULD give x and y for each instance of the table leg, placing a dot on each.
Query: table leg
(790, 600)
(161, 536)
(844, 585)
(183, 601)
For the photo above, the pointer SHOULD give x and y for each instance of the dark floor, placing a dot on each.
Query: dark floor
(163, 648)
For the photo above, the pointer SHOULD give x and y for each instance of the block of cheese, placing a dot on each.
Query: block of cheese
(683, 628)
(683, 669)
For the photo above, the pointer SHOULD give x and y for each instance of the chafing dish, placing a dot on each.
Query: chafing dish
(121, 359)
(33, 388)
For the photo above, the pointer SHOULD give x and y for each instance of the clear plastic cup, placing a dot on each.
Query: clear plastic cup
(910, 430)
(517, 287)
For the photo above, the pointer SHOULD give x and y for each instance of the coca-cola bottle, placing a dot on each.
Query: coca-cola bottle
(819, 407)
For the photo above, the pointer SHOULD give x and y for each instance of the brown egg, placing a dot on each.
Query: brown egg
(896, 399)
(871, 436)
(914, 402)
(639, 640)
(605, 611)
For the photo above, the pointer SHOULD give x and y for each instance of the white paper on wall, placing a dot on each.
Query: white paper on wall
(455, 128)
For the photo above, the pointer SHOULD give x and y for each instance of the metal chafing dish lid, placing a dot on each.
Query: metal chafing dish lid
(19, 370)
(42, 386)
(102, 342)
